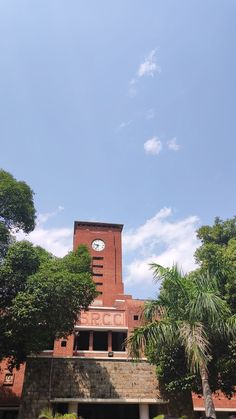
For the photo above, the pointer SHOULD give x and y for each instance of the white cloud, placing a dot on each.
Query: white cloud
(153, 146)
(159, 240)
(56, 240)
(125, 124)
(43, 218)
(172, 144)
(149, 66)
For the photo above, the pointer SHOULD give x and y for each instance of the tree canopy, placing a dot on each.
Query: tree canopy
(211, 285)
(40, 295)
(17, 211)
(182, 326)
(47, 413)
(217, 254)
(40, 298)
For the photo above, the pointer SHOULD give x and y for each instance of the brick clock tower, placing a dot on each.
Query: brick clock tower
(104, 243)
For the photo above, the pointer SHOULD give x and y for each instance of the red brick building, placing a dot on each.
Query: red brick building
(89, 372)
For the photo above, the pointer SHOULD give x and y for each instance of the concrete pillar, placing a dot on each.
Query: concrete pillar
(109, 341)
(143, 411)
(73, 407)
(90, 341)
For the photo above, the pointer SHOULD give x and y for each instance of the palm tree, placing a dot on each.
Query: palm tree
(188, 312)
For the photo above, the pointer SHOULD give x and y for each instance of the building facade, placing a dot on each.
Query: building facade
(89, 373)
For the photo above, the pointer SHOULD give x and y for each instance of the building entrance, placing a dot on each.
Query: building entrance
(108, 411)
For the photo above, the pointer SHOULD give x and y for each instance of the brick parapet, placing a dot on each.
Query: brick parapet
(221, 402)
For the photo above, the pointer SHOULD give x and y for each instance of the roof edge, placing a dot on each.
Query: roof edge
(97, 224)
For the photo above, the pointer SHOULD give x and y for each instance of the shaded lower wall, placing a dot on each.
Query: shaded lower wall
(48, 379)
(10, 393)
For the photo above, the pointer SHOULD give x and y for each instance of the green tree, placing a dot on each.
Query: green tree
(48, 414)
(40, 295)
(17, 210)
(40, 298)
(189, 314)
(217, 254)
(174, 378)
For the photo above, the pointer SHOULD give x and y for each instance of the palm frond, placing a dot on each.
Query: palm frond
(231, 326)
(152, 311)
(194, 339)
(159, 272)
(173, 281)
(153, 335)
(206, 303)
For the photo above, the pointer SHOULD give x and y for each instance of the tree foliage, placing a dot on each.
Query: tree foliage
(40, 295)
(47, 413)
(40, 298)
(17, 210)
(16, 203)
(217, 254)
(175, 380)
(188, 318)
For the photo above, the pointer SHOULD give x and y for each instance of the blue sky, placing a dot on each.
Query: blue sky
(122, 111)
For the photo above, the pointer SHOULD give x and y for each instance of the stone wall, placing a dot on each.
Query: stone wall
(74, 378)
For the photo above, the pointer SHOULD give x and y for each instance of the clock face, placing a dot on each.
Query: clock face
(98, 245)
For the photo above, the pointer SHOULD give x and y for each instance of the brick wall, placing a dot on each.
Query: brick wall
(10, 393)
(220, 401)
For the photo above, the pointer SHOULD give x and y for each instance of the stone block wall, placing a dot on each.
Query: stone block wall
(48, 379)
